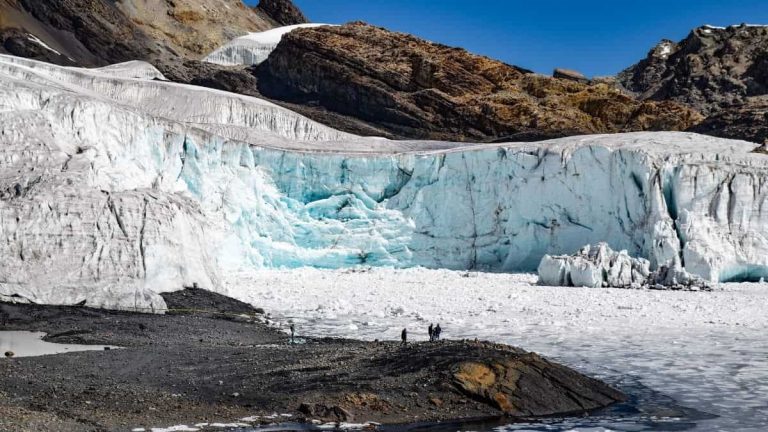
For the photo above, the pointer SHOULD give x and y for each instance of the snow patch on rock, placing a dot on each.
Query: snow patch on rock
(253, 48)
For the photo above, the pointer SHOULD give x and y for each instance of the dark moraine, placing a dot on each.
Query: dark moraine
(224, 364)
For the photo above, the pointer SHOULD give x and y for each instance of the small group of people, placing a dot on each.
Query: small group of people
(434, 334)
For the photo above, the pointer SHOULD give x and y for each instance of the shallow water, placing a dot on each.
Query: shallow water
(30, 344)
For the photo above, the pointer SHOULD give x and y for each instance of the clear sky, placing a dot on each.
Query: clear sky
(597, 37)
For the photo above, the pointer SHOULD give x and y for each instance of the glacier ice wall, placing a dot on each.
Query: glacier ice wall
(111, 196)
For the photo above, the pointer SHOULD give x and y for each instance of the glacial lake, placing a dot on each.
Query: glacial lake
(31, 344)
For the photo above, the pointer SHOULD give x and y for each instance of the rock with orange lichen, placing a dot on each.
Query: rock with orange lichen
(529, 385)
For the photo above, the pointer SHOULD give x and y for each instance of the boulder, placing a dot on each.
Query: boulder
(330, 413)
(570, 75)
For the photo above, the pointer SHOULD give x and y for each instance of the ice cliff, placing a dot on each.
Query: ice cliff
(114, 188)
(596, 266)
(253, 48)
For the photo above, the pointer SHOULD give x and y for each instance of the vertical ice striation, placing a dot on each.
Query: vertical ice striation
(113, 189)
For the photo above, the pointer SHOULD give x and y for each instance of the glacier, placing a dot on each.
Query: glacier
(253, 48)
(116, 185)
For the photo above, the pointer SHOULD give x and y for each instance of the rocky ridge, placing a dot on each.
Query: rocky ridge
(719, 71)
(711, 70)
(409, 87)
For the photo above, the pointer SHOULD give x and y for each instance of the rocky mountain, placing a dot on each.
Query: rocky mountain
(403, 86)
(721, 72)
(100, 32)
(712, 69)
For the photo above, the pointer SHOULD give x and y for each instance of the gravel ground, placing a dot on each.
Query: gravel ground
(215, 360)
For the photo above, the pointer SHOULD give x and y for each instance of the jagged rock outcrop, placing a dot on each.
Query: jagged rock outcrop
(22, 44)
(596, 266)
(284, 12)
(712, 69)
(722, 72)
(414, 88)
(100, 32)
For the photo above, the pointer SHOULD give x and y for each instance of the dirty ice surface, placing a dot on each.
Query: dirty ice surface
(31, 344)
(703, 350)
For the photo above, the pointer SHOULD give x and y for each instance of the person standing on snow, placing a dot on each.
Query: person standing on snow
(437, 332)
(431, 333)
(404, 337)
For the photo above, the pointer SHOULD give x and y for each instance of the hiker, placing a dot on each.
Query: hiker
(293, 332)
(431, 333)
(404, 336)
(437, 332)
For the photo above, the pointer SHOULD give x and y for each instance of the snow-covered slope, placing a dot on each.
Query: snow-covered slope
(253, 48)
(114, 189)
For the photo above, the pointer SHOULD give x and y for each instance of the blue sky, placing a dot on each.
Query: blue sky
(595, 37)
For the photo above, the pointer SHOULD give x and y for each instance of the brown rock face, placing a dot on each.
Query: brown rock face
(412, 88)
(100, 32)
(193, 28)
(748, 122)
(19, 43)
(284, 12)
(90, 32)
